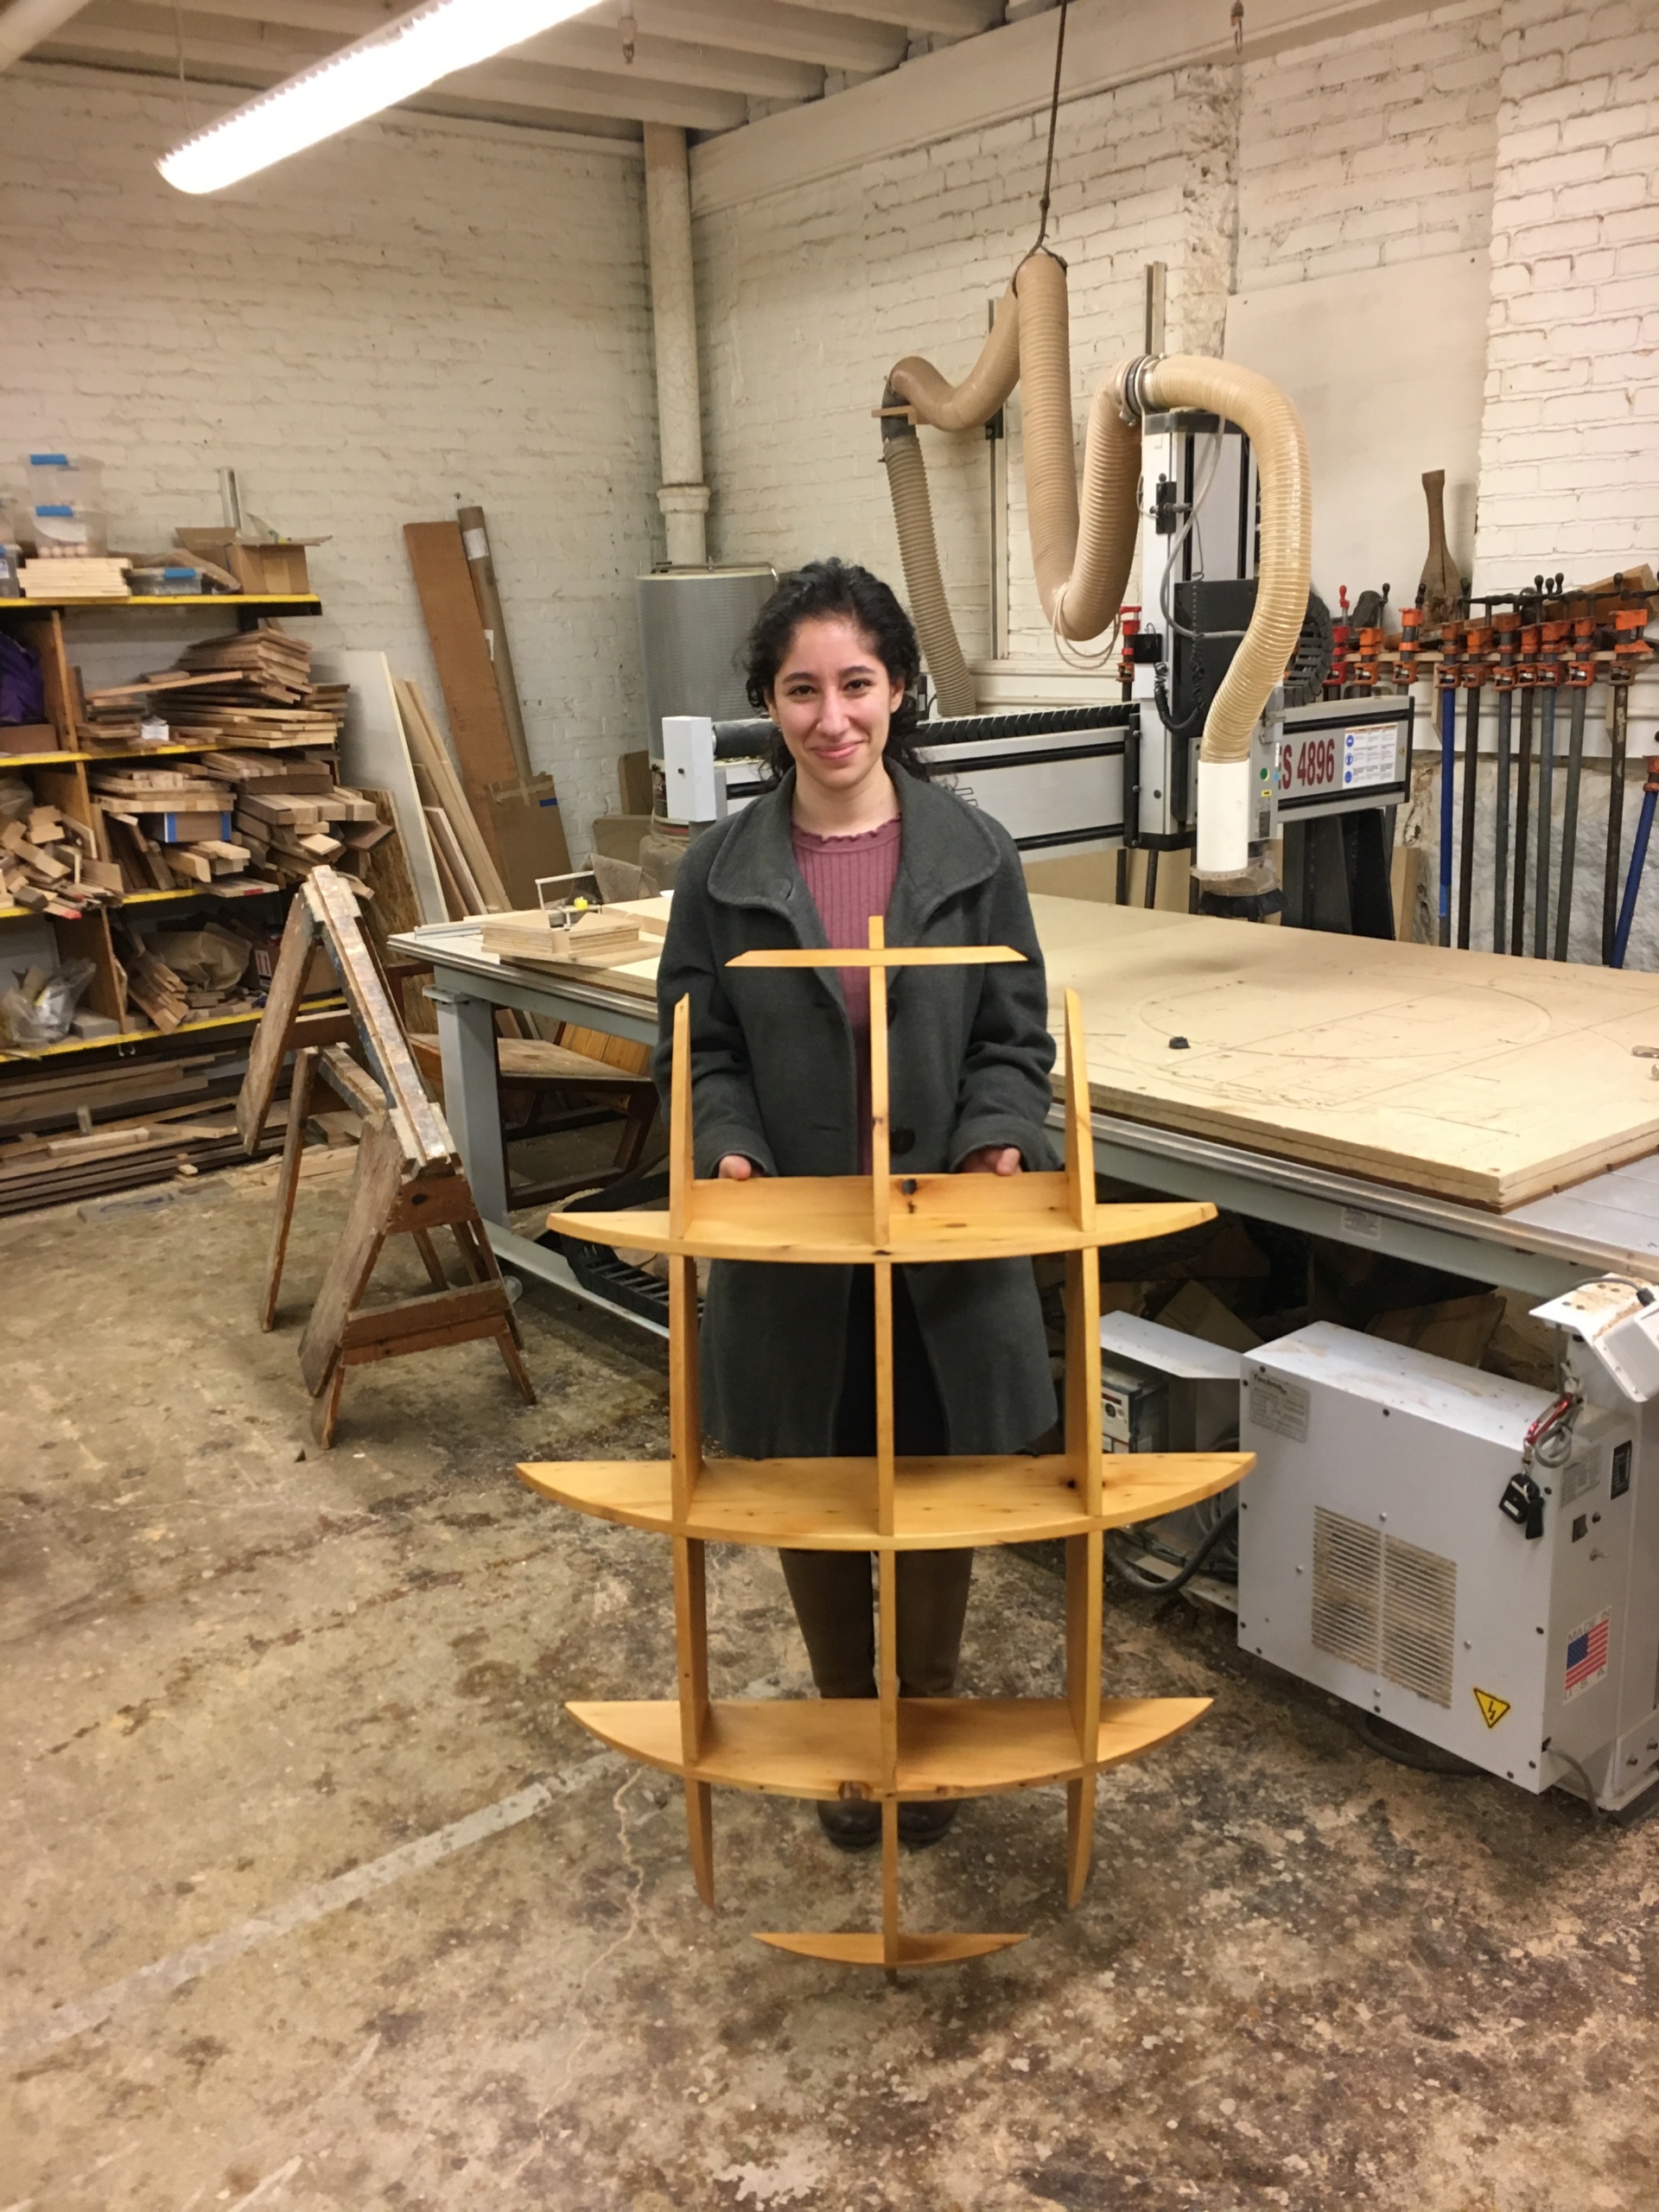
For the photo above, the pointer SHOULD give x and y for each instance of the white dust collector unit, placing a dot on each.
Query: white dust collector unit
(1375, 1557)
(693, 623)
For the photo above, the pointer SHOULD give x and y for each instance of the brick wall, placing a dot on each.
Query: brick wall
(1570, 444)
(1373, 148)
(809, 297)
(406, 316)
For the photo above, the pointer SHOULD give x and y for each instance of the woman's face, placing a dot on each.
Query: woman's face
(833, 701)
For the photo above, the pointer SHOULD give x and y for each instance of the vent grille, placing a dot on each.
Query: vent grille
(1385, 1605)
(1420, 1618)
(1347, 1589)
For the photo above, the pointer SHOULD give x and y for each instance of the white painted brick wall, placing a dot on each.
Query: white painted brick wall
(1569, 464)
(809, 298)
(1373, 148)
(405, 317)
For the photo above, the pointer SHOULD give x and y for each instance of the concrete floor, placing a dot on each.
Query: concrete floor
(314, 1897)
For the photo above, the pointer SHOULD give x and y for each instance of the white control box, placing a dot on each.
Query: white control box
(1374, 1559)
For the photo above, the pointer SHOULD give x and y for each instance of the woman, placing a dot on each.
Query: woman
(780, 1086)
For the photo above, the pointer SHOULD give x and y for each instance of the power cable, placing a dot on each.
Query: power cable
(1054, 118)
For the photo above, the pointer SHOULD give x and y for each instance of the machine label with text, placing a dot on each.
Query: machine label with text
(1339, 760)
(1282, 1406)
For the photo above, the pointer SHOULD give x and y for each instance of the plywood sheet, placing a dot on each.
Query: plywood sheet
(1489, 1080)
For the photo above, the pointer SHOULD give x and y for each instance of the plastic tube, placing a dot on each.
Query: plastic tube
(1082, 547)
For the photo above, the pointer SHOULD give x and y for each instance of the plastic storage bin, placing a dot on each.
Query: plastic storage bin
(66, 513)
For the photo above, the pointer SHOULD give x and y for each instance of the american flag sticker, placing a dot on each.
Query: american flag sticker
(1587, 1655)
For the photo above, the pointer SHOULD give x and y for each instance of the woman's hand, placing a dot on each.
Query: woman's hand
(737, 1167)
(989, 1160)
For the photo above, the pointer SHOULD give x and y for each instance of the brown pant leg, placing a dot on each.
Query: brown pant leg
(834, 1603)
(835, 1607)
(932, 1606)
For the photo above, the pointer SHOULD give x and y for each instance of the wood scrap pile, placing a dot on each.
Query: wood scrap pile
(65, 1137)
(252, 687)
(195, 974)
(167, 827)
(49, 861)
(292, 816)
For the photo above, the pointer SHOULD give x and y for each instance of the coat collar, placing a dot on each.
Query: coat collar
(946, 850)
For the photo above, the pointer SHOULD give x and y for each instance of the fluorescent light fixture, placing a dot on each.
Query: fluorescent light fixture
(361, 80)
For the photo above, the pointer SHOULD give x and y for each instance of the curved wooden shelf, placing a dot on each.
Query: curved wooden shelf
(947, 1747)
(825, 1220)
(829, 1504)
(908, 1950)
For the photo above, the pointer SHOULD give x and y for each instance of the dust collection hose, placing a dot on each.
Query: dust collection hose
(1082, 547)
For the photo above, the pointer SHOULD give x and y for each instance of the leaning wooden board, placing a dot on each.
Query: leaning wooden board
(1489, 1080)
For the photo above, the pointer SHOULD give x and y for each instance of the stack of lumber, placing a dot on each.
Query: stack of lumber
(65, 1137)
(74, 575)
(48, 864)
(294, 822)
(621, 941)
(168, 828)
(252, 687)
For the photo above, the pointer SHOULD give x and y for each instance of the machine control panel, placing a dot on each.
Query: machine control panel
(1340, 753)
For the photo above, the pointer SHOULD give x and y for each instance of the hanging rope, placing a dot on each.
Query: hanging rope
(1053, 117)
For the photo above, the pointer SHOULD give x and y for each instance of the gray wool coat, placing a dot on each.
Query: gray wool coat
(773, 1077)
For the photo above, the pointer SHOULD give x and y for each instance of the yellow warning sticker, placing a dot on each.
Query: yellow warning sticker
(1492, 1709)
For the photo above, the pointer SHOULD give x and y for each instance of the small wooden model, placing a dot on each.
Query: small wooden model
(888, 1749)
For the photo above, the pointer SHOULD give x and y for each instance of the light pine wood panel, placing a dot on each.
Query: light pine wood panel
(824, 1219)
(938, 1505)
(1464, 1074)
(948, 1746)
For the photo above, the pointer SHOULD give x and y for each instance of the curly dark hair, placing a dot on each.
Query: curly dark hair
(825, 589)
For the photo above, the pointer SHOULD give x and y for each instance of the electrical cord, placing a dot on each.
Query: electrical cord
(1194, 1564)
(1411, 1751)
(1597, 1813)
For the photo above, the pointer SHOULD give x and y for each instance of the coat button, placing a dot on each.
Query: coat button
(901, 1141)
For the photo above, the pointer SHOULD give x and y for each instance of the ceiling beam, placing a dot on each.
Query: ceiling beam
(281, 51)
(816, 34)
(533, 84)
(956, 18)
(669, 61)
(26, 23)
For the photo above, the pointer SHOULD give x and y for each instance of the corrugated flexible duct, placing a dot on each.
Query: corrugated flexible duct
(1081, 549)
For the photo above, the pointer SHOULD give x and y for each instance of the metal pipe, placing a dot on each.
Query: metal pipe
(1618, 728)
(1638, 861)
(1501, 825)
(683, 496)
(1471, 794)
(1570, 827)
(1448, 776)
(1546, 809)
(1522, 808)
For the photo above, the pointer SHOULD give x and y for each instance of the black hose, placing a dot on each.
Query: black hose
(1193, 1565)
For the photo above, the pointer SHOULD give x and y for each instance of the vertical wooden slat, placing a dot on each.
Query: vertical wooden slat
(681, 1158)
(890, 1882)
(691, 1652)
(1079, 1136)
(880, 1156)
(288, 1178)
(1082, 1374)
(1084, 1563)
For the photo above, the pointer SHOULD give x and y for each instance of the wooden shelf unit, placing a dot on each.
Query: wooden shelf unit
(60, 779)
(887, 1750)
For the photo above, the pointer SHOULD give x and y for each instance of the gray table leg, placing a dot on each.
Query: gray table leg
(471, 1103)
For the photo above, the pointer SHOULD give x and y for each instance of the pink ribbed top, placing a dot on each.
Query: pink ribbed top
(851, 878)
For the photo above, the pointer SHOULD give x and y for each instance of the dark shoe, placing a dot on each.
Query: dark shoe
(926, 1820)
(850, 1823)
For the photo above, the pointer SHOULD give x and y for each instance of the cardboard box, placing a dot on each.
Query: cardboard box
(28, 737)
